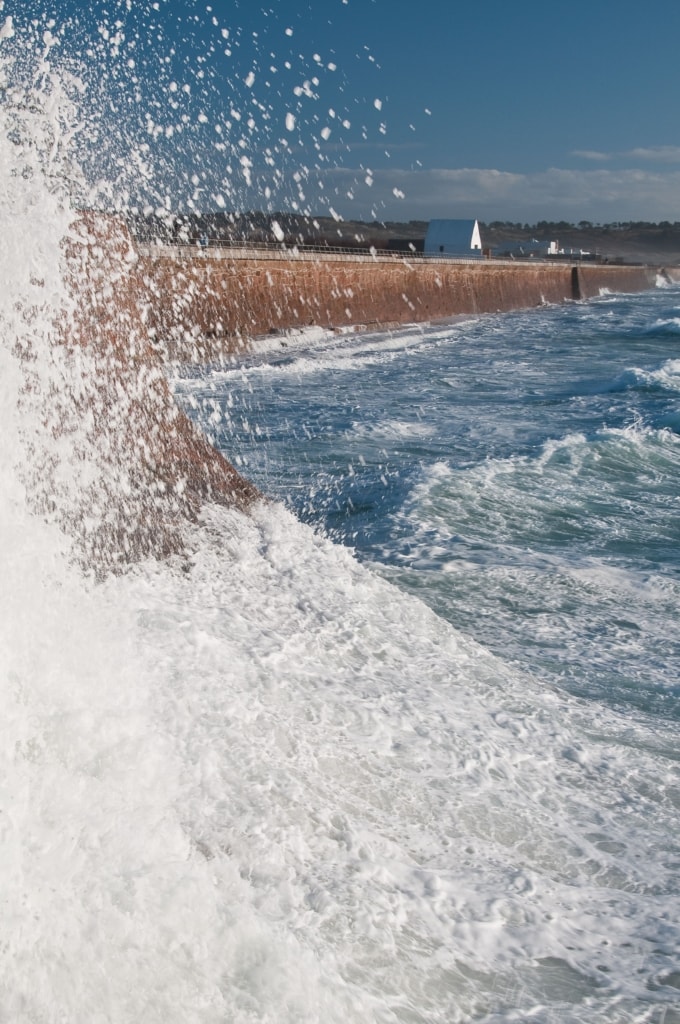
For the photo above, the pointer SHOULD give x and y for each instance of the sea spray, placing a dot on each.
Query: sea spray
(34, 217)
(106, 452)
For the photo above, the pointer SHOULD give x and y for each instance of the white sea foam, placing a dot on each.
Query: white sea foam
(668, 375)
(278, 767)
(392, 430)
(316, 350)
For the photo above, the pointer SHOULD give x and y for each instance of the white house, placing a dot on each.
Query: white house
(453, 238)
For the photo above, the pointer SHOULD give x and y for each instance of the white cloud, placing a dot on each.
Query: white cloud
(601, 194)
(649, 154)
(658, 154)
(591, 154)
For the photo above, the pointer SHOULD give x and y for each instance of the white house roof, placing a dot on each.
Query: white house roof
(453, 236)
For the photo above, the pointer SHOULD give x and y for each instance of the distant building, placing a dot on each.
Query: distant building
(528, 248)
(532, 248)
(453, 238)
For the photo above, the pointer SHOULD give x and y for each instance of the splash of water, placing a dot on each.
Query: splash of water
(105, 451)
(267, 787)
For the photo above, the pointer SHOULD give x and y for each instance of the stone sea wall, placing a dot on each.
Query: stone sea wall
(204, 303)
(594, 279)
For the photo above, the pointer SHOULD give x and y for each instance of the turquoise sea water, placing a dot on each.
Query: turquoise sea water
(519, 473)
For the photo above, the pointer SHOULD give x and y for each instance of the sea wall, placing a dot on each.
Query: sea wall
(134, 307)
(594, 279)
(213, 303)
(203, 304)
(150, 470)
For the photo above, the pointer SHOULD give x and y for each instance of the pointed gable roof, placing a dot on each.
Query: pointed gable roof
(453, 237)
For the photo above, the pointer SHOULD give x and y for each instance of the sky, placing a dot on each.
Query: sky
(378, 109)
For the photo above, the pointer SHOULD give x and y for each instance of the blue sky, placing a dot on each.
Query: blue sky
(383, 109)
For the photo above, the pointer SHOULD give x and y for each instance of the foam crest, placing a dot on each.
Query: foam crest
(664, 378)
(668, 375)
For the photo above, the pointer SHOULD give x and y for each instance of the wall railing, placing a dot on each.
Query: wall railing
(219, 249)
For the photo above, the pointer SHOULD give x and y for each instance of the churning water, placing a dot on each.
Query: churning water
(399, 747)
(519, 475)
